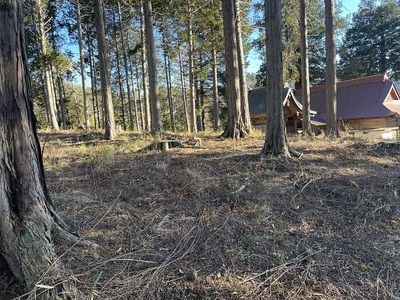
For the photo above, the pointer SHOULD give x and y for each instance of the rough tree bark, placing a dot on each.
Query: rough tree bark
(29, 225)
(305, 73)
(155, 105)
(143, 50)
(275, 141)
(236, 126)
(109, 119)
(331, 113)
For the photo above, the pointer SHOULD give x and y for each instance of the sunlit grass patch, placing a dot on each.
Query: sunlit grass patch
(101, 156)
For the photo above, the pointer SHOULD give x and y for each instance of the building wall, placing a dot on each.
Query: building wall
(385, 128)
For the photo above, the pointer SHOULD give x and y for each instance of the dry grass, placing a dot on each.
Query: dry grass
(222, 222)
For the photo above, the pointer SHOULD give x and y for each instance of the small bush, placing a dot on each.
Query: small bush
(101, 156)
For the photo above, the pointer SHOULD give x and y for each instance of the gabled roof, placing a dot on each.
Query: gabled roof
(258, 101)
(368, 97)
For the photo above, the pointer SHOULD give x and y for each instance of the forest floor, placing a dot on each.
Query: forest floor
(220, 221)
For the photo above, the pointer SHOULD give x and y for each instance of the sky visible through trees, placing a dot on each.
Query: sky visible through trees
(254, 58)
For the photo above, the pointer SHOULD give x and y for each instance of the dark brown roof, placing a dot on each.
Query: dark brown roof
(258, 100)
(360, 98)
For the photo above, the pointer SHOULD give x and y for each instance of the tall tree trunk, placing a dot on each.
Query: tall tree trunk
(235, 126)
(109, 121)
(183, 88)
(202, 116)
(331, 113)
(192, 88)
(28, 223)
(242, 71)
(167, 67)
(155, 105)
(119, 74)
(215, 90)
(47, 74)
(93, 77)
(146, 97)
(128, 88)
(61, 101)
(82, 64)
(140, 125)
(305, 70)
(120, 84)
(198, 97)
(275, 141)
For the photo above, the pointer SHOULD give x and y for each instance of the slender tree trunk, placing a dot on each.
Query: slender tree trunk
(120, 84)
(93, 77)
(192, 88)
(167, 68)
(215, 90)
(82, 64)
(47, 74)
(331, 114)
(242, 71)
(139, 99)
(275, 142)
(198, 98)
(28, 223)
(183, 88)
(128, 88)
(305, 73)
(146, 97)
(202, 117)
(109, 121)
(119, 75)
(155, 105)
(61, 100)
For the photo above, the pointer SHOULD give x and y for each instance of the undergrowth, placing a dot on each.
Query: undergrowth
(221, 222)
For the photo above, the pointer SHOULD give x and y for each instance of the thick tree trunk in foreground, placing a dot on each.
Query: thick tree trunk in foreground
(305, 72)
(28, 223)
(275, 142)
(109, 120)
(331, 114)
(237, 126)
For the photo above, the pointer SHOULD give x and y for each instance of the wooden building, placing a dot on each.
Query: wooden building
(365, 106)
(291, 107)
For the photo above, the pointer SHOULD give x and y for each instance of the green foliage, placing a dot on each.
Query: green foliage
(291, 42)
(372, 43)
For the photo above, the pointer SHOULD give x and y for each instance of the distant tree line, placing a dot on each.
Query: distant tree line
(368, 42)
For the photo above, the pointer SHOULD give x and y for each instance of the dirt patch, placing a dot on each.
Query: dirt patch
(219, 221)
